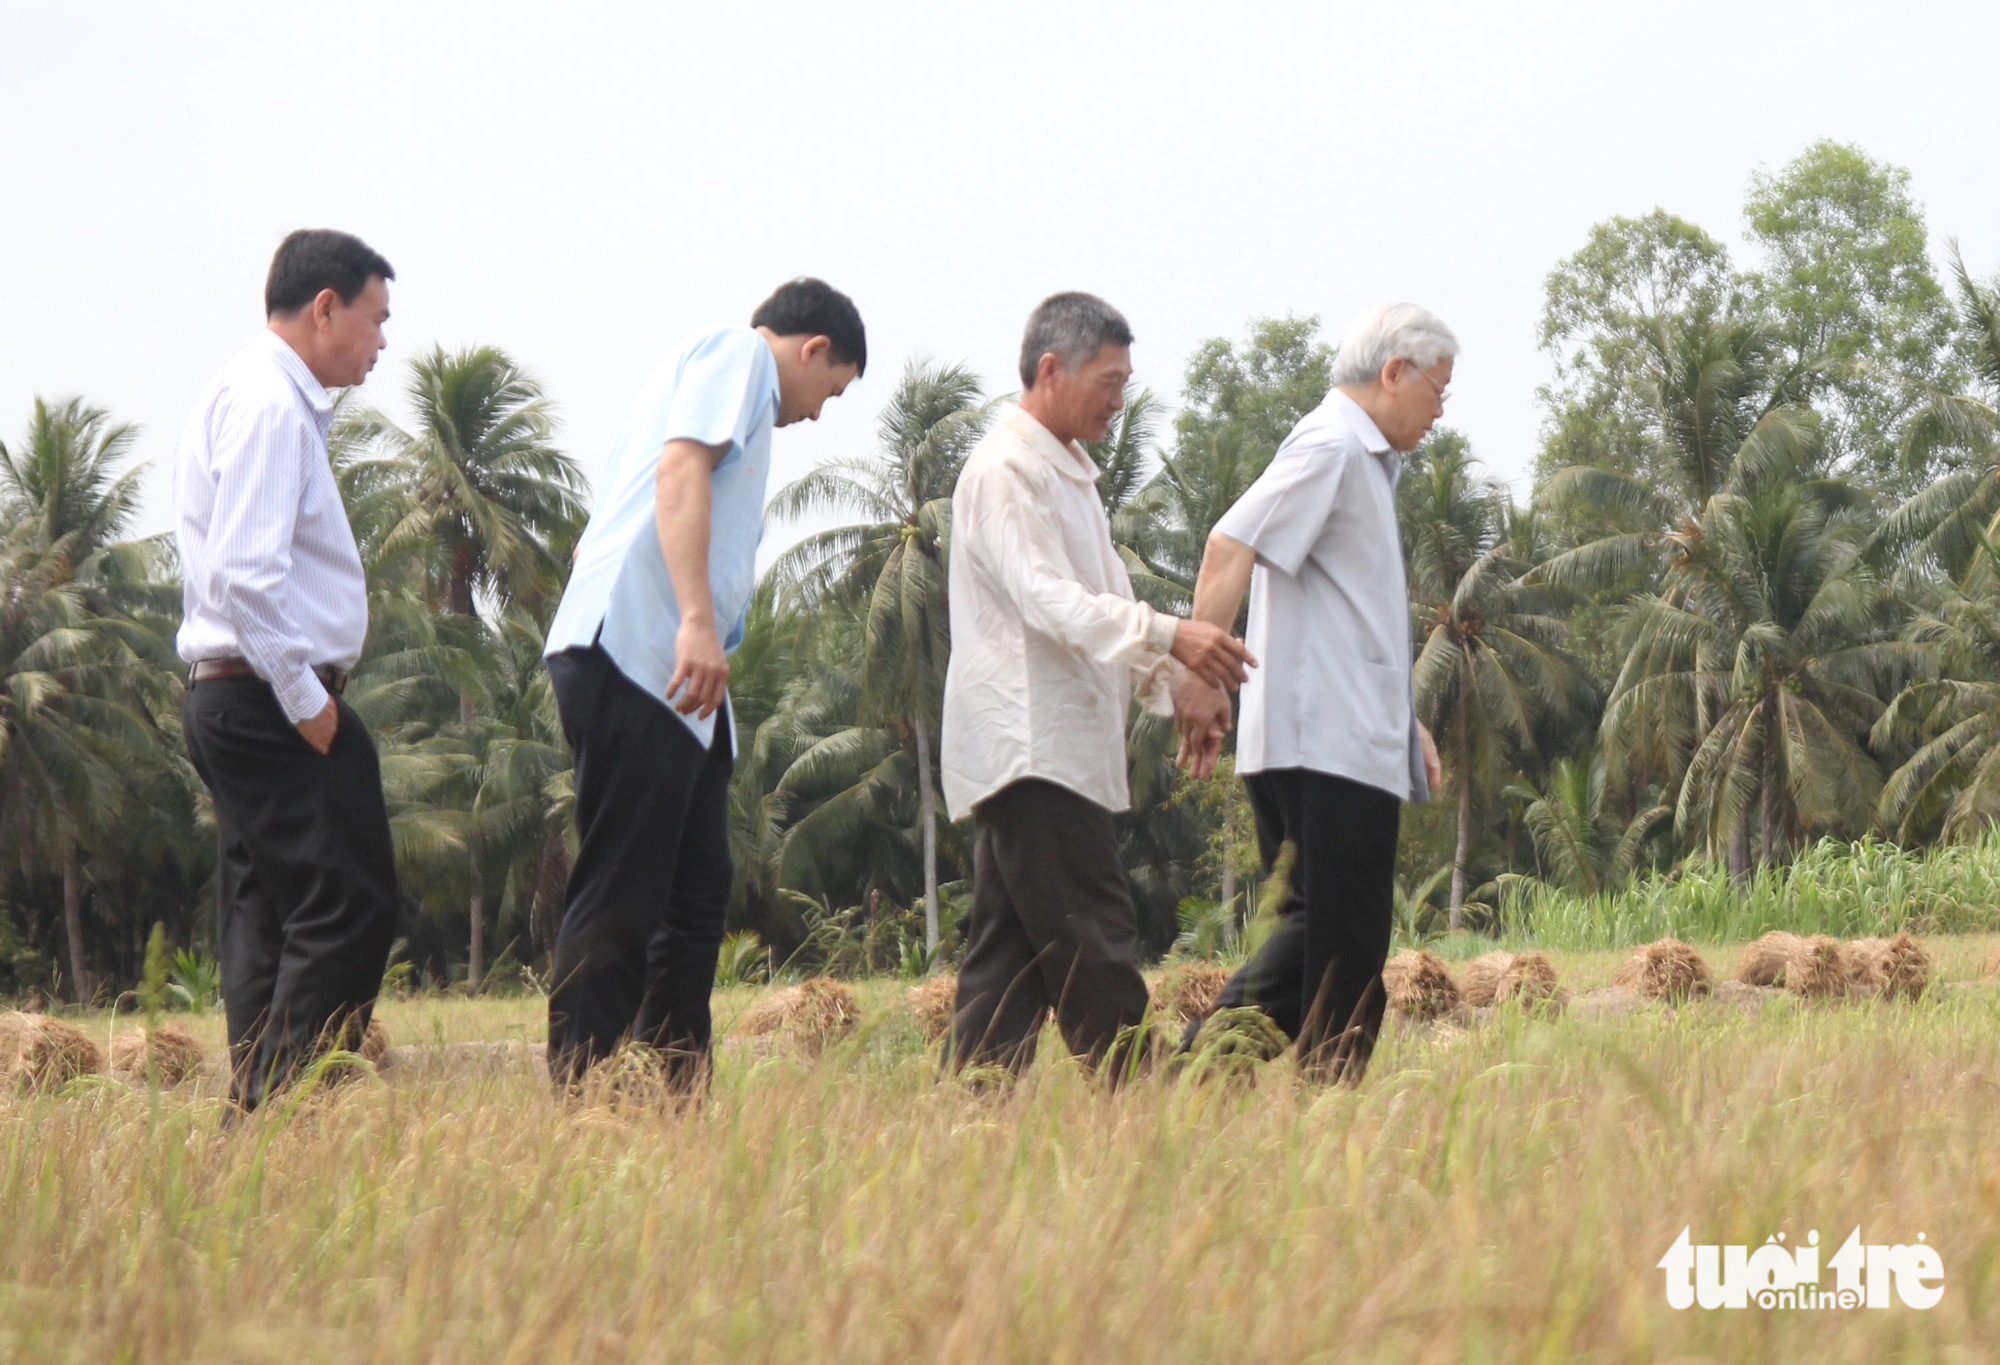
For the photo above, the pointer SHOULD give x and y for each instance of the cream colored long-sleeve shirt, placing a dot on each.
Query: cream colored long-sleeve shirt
(1047, 641)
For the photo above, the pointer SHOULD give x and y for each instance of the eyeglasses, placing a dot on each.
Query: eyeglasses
(1443, 393)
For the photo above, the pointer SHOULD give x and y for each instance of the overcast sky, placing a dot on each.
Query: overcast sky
(584, 184)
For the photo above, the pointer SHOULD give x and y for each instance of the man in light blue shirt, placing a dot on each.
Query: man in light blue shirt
(638, 654)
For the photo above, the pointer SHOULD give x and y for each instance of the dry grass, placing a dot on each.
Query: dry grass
(168, 1055)
(1667, 970)
(809, 1015)
(1890, 969)
(41, 1053)
(1817, 969)
(932, 1003)
(1420, 987)
(1764, 961)
(1188, 991)
(1531, 980)
(1474, 1199)
(1479, 979)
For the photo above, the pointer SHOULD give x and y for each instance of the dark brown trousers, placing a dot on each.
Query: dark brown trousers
(1052, 927)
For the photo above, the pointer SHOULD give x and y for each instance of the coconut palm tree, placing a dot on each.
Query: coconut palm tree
(1957, 434)
(1492, 665)
(79, 678)
(1580, 842)
(1724, 409)
(1948, 725)
(898, 558)
(475, 498)
(73, 724)
(1752, 678)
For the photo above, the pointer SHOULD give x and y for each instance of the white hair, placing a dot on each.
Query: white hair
(1395, 331)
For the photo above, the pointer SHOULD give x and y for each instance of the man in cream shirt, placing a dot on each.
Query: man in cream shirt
(1330, 746)
(1047, 644)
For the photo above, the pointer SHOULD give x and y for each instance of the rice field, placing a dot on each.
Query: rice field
(1500, 1192)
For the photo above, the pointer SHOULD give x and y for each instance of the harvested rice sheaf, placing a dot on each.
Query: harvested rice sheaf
(1420, 986)
(812, 1014)
(1817, 969)
(1668, 970)
(40, 1053)
(1529, 979)
(1892, 969)
(1189, 992)
(1479, 979)
(1764, 961)
(933, 1002)
(167, 1055)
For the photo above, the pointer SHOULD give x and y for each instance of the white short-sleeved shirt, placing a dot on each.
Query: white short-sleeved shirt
(721, 389)
(1329, 609)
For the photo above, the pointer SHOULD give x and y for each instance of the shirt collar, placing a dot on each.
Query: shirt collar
(295, 369)
(1071, 460)
(1362, 424)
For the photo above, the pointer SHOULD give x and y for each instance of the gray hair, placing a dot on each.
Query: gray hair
(1074, 326)
(1395, 331)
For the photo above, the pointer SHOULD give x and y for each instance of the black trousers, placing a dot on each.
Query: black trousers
(1052, 926)
(643, 913)
(1319, 974)
(307, 903)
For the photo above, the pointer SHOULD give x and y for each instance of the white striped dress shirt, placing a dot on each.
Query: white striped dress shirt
(269, 569)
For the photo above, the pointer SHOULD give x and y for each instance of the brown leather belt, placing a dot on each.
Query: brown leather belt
(332, 679)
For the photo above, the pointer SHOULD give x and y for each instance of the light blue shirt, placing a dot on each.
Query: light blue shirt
(721, 389)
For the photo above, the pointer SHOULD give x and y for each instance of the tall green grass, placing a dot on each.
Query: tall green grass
(1848, 890)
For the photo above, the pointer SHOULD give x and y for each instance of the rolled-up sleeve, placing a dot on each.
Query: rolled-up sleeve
(1023, 551)
(1282, 514)
(258, 462)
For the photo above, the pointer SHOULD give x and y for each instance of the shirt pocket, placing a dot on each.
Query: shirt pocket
(1381, 704)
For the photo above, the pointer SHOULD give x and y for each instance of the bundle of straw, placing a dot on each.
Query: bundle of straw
(1420, 986)
(933, 1003)
(1480, 978)
(40, 1053)
(1764, 961)
(1189, 992)
(1667, 970)
(167, 1055)
(1529, 979)
(1892, 969)
(1817, 970)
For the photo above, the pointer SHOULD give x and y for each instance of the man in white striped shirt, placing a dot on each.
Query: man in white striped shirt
(275, 611)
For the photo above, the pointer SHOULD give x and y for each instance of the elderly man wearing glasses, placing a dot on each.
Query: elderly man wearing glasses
(1330, 746)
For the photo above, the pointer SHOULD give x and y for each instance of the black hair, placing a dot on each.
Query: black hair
(809, 307)
(313, 259)
(1075, 327)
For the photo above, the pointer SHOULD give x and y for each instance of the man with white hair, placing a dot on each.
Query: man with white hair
(1047, 644)
(1330, 745)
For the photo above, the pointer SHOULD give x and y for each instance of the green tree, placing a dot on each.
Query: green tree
(1580, 842)
(899, 556)
(475, 498)
(1492, 664)
(1601, 312)
(1956, 433)
(78, 678)
(1849, 283)
(1753, 677)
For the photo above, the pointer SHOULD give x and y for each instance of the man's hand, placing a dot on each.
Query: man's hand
(1432, 770)
(1212, 652)
(1201, 716)
(320, 729)
(701, 669)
